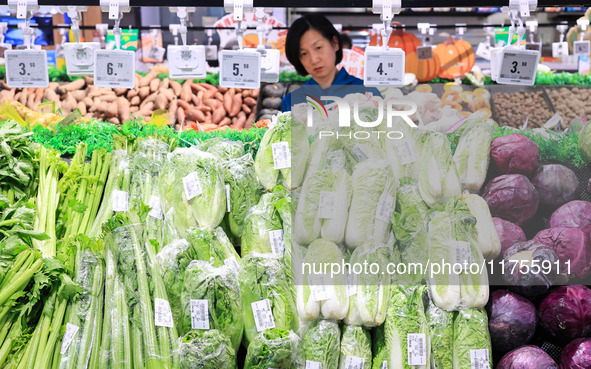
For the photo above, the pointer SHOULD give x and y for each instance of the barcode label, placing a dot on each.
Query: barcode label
(162, 313)
(313, 365)
(120, 200)
(199, 314)
(281, 155)
(277, 242)
(71, 331)
(463, 254)
(384, 365)
(405, 152)
(359, 153)
(191, 185)
(231, 263)
(479, 359)
(416, 347)
(156, 207)
(228, 207)
(354, 362)
(385, 207)
(320, 290)
(263, 316)
(327, 206)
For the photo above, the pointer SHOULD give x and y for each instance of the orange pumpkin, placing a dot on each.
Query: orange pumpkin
(400, 39)
(456, 56)
(425, 70)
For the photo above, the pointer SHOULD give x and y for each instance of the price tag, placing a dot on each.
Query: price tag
(263, 315)
(211, 52)
(553, 122)
(405, 152)
(241, 69)
(186, 62)
(228, 206)
(191, 185)
(559, 49)
(354, 362)
(385, 207)
(199, 314)
(270, 61)
(26, 68)
(535, 46)
(162, 313)
(231, 263)
(313, 365)
(416, 348)
(582, 47)
(320, 287)
(479, 359)
(359, 153)
(80, 58)
(327, 206)
(69, 335)
(277, 242)
(424, 52)
(383, 67)
(120, 200)
(156, 207)
(462, 253)
(483, 50)
(518, 66)
(281, 155)
(114, 68)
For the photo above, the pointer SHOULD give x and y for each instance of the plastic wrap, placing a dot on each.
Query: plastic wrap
(471, 339)
(261, 225)
(213, 246)
(472, 155)
(322, 155)
(275, 348)
(321, 344)
(404, 155)
(223, 148)
(265, 291)
(220, 289)
(441, 330)
(487, 237)
(206, 350)
(245, 191)
(355, 348)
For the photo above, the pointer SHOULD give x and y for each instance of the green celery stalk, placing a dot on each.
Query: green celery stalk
(108, 319)
(14, 334)
(89, 329)
(19, 282)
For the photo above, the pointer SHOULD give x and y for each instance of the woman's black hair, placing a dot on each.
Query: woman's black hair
(309, 21)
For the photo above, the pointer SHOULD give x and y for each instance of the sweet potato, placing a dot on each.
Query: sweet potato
(87, 101)
(228, 102)
(69, 104)
(185, 105)
(144, 92)
(49, 95)
(146, 110)
(250, 120)
(72, 86)
(148, 99)
(89, 80)
(223, 90)
(132, 93)
(186, 91)
(208, 117)
(236, 105)
(123, 109)
(82, 107)
(246, 93)
(180, 114)
(164, 84)
(79, 95)
(114, 120)
(176, 87)
(250, 101)
(168, 93)
(160, 101)
(135, 100)
(138, 80)
(134, 109)
(172, 108)
(255, 93)
(246, 109)
(225, 122)
(196, 115)
(196, 87)
(145, 80)
(110, 110)
(120, 91)
(38, 96)
(218, 115)
(205, 108)
(212, 103)
(154, 84)
(31, 101)
(241, 121)
(218, 96)
(109, 98)
(206, 127)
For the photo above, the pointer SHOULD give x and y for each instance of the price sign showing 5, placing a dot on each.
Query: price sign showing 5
(26, 68)
(114, 68)
(240, 69)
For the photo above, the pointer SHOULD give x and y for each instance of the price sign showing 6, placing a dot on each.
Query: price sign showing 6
(114, 68)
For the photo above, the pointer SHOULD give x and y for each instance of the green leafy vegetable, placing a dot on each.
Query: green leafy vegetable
(356, 343)
(274, 348)
(470, 333)
(206, 350)
(321, 343)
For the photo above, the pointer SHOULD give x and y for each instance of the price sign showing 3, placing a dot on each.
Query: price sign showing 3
(26, 68)
(518, 67)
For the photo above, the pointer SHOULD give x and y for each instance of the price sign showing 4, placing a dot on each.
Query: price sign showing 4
(518, 67)
(114, 68)
(26, 68)
(240, 69)
(384, 67)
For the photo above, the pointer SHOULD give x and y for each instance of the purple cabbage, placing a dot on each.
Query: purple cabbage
(576, 355)
(570, 244)
(512, 197)
(575, 214)
(512, 323)
(514, 154)
(556, 184)
(527, 357)
(565, 314)
(509, 233)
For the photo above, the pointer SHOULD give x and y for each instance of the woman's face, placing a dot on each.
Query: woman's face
(318, 54)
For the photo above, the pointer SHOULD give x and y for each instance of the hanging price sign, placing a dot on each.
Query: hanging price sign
(559, 49)
(518, 67)
(581, 48)
(185, 62)
(114, 68)
(270, 61)
(26, 68)
(384, 67)
(483, 50)
(80, 58)
(424, 52)
(240, 69)
(535, 46)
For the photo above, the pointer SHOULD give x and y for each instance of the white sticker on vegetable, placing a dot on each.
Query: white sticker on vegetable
(416, 348)
(405, 153)
(385, 207)
(228, 207)
(192, 186)
(156, 207)
(162, 313)
(263, 315)
(354, 362)
(71, 331)
(231, 263)
(384, 365)
(281, 155)
(327, 206)
(463, 254)
(199, 314)
(359, 153)
(479, 359)
(277, 242)
(120, 200)
(320, 288)
(313, 365)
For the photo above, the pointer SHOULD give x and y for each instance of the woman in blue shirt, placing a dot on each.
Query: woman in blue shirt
(314, 47)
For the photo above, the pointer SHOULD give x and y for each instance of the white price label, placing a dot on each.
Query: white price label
(156, 207)
(479, 359)
(553, 122)
(416, 348)
(534, 46)
(424, 52)
(241, 69)
(559, 49)
(114, 68)
(281, 155)
(313, 365)
(263, 315)
(270, 64)
(120, 200)
(228, 206)
(385, 207)
(327, 206)
(582, 47)
(384, 67)
(162, 313)
(80, 58)
(69, 335)
(483, 50)
(199, 314)
(186, 62)
(320, 287)
(359, 153)
(232, 263)
(191, 185)
(354, 362)
(277, 241)
(26, 68)
(463, 254)
(405, 152)
(518, 66)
